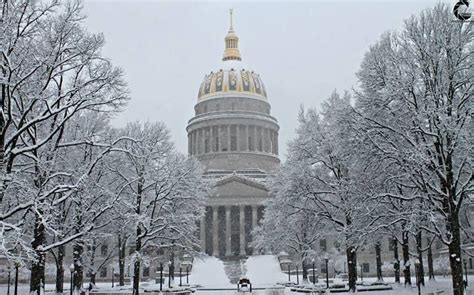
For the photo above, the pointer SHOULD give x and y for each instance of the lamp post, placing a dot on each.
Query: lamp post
(417, 275)
(180, 282)
(326, 259)
(297, 276)
(161, 277)
(465, 273)
(9, 271)
(361, 273)
(17, 266)
(187, 275)
(71, 269)
(169, 274)
(314, 281)
(113, 276)
(289, 275)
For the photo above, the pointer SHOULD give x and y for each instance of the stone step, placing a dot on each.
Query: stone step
(235, 269)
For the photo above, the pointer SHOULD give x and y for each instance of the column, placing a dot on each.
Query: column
(242, 230)
(228, 138)
(211, 139)
(237, 137)
(202, 233)
(219, 139)
(246, 138)
(215, 231)
(228, 241)
(254, 216)
(255, 146)
(202, 141)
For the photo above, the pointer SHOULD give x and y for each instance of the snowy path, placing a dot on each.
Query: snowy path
(209, 273)
(264, 271)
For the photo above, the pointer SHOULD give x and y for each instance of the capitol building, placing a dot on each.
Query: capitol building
(236, 139)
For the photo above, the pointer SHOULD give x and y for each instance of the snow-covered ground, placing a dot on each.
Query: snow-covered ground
(209, 273)
(264, 271)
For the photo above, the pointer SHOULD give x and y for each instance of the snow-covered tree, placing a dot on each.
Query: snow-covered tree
(52, 71)
(164, 191)
(416, 90)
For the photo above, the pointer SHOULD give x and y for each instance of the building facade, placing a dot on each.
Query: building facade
(236, 139)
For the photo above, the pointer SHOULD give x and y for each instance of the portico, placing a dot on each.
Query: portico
(235, 137)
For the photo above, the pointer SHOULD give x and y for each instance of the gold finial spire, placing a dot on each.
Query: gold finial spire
(231, 51)
(231, 28)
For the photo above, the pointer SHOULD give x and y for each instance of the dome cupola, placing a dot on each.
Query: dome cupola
(232, 129)
(232, 78)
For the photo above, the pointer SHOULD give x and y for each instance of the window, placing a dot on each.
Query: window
(365, 267)
(233, 138)
(322, 245)
(146, 271)
(391, 244)
(322, 267)
(104, 250)
(206, 145)
(103, 272)
(225, 136)
(215, 135)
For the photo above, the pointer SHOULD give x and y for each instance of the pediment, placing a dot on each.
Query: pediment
(236, 186)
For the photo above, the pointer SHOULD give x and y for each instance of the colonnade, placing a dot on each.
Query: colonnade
(224, 138)
(225, 235)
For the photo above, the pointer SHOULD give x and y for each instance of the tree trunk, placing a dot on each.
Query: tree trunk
(138, 241)
(378, 260)
(78, 250)
(304, 268)
(136, 264)
(430, 262)
(396, 265)
(419, 251)
(122, 242)
(3, 100)
(92, 271)
(455, 256)
(93, 278)
(37, 280)
(352, 267)
(406, 258)
(60, 270)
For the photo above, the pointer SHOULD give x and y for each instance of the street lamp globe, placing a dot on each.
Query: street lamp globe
(71, 267)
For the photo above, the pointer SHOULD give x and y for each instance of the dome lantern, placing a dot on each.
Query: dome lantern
(231, 51)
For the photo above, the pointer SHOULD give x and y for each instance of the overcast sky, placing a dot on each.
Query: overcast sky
(302, 50)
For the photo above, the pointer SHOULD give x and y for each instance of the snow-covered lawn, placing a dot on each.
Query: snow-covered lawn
(439, 284)
(264, 271)
(209, 273)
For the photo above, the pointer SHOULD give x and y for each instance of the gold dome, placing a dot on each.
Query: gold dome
(228, 82)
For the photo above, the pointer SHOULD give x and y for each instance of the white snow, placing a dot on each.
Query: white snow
(209, 272)
(264, 271)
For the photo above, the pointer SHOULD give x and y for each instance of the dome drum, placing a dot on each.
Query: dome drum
(232, 103)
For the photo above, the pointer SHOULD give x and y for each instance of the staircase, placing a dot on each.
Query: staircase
(235, 269)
